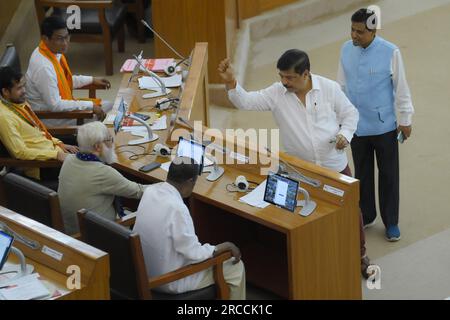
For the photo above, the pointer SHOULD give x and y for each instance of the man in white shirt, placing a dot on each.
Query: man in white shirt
(316, 120)
(50, 82)
(168, 237)
(373, 77)
(311, 111)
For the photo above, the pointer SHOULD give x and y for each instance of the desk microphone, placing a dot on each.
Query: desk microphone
(164, 41)
(162, 150)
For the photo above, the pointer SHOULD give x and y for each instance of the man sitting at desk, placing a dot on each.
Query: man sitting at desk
(22, 133)
(50, 82)
(316, 119)
(168, 238)
(88, 182)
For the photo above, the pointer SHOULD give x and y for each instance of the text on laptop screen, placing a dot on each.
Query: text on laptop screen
(282, 192)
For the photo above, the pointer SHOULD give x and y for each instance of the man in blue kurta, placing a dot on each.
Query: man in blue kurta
(372, 75)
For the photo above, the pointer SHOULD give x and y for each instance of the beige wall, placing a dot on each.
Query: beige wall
(7, 10)
(184, 22)
(252, 8)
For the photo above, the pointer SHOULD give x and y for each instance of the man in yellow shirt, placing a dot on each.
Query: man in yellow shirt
(21, 132)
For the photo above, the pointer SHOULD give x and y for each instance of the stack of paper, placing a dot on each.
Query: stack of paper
(156, 65)
(25, 288)
(149, 83)
(256, 197)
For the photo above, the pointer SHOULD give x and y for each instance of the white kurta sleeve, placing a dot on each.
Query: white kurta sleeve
(47, 85)
(403, 100)
(81, 81)
(185, 240)
(252, 101)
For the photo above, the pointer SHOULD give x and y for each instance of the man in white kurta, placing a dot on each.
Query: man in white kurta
(168, 237)
(47, 70)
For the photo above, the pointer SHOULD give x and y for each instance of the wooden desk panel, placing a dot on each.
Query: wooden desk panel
(93, 263)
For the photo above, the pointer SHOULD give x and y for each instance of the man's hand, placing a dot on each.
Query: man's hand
(341, 142)
(69, 149)
(228, 246)
(61, 156)
(227, 74)
(406, 131)
(101, 115)
(101, 82)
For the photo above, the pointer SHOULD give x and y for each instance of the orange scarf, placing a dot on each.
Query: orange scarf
(64, 75)
(24, 112)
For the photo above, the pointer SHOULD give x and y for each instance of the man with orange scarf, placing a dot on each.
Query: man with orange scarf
(21, 132)
(49, 80)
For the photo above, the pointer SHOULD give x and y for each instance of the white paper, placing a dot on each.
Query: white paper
(160, 124)
(25, 288)
(129, 216)
(165, 166)
(149, 83)
(239, 157)
(256, 197)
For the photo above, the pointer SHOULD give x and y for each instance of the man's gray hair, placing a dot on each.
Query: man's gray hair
(91, 134)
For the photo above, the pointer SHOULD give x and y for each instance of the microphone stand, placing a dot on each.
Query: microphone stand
(147, 138)
(308, 205)
(164, 91)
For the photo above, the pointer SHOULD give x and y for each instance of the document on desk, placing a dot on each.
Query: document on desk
(160, 124)
(149, 83)
(256, 197)
(25, 288)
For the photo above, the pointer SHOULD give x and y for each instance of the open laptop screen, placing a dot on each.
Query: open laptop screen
(192, 149)
(6, 241)
(118, 120)
(282, 192)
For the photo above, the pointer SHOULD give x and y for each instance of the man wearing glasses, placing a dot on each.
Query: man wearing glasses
(87, 181)
(50, 82)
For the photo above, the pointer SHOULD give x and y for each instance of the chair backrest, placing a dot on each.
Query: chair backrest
(128, 274)
(32, 200)
(10, 58)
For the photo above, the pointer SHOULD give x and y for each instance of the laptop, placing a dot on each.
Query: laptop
(282, 192)
(6, 241)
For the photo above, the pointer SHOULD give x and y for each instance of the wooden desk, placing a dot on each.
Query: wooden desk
(93, 263)
(297, 258)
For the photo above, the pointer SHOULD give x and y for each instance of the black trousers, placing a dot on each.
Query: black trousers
(385, 149)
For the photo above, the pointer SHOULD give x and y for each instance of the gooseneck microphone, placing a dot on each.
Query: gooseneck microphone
(162, 39)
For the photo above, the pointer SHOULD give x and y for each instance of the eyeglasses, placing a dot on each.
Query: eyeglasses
(62, 39)
(109, 140)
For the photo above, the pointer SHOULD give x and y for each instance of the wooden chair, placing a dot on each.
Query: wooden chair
(101, 22)
(31, 199)
(129, 278)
